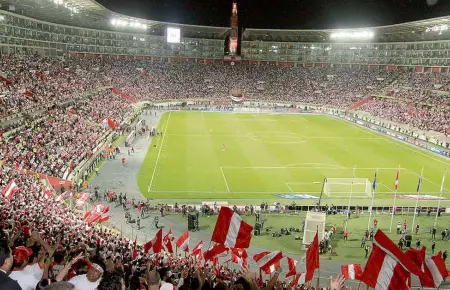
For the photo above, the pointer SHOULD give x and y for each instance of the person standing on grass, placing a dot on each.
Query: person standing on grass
(375, 224)
(345, 235)
(433, 232)
(405, 225)
(433, 246)
(367, 249)
(223, 147)
(363, 241)
(417, 229)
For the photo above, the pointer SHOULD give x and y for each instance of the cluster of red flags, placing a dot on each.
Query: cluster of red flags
(98, 214)
(389, 268)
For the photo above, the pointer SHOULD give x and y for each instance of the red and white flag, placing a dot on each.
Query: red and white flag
(214, 251)
(268, 261)
(312, 258)
(352, 271)
(239, 256)
(103, 218)
(231, 230)
(292, 270)
(168, 238)
(299, 279)
(197, 248)
(388, 268)
(10, 189)
(396, 180)
(433, 266)
(156, 244)
(183, 242)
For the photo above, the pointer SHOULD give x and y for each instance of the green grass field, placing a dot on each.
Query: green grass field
(270, 154)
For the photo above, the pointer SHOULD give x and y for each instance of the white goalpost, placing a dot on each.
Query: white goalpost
(342, 187)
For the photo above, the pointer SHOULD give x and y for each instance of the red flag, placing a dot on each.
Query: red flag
(168, 238)
(197, 248)
(388, 267)
(396, 180)
(231, 230)
(291, 263)
(299, 279)
(212, 253)
(433, 266)
(103, 218)
(155, 244)
(10, 189)
(352, 271)
(312, 258)
(239, 256)
(28, 93)
(183, 242)
(268, 261)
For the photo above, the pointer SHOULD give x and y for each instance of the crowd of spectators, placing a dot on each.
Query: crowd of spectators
(46, 244)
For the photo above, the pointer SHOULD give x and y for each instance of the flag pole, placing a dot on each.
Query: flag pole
(350, 199)
(395, 197)
(440, 197)
(374, 187)
(417, 200)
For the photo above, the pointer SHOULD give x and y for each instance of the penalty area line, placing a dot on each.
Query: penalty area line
(224, 179)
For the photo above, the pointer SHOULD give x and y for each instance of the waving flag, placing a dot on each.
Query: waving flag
(231, 230)
(197, 248)
(352, 271)
(388, 267)
(396, 181)
(268, 261)
(292, 270)
(168, 238)
(10, 189)
(374, 184)
(312, 258)
(183, 242)
(155, 244)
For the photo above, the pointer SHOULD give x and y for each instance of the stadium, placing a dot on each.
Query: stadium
(127, 141)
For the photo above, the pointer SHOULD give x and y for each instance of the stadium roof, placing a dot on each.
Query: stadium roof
(91, 14)
(423, 30)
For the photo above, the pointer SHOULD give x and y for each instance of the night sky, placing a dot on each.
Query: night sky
(284, 14)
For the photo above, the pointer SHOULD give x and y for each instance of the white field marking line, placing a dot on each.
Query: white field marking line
(304, 167)
(290, 189)
(398, 143)
(424, 178)
(306, 163)
(263, 192)
(224, 179)
(160, 147)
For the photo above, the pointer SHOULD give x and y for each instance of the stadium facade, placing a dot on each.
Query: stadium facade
(84, 27)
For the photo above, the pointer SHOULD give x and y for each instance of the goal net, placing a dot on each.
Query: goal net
(346, 186)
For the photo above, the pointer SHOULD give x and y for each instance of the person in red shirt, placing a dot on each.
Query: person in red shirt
(405, 224)
(123, 160)
(345, 235)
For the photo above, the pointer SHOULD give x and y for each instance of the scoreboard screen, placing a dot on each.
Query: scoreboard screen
(173, 35)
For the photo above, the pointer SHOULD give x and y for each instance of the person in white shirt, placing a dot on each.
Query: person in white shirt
(26, 280)
(91, 279)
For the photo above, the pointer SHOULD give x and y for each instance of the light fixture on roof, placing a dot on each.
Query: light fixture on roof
(352, 34)
(126, 23)
(437, 28)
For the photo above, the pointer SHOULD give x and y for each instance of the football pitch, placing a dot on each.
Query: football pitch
(251, 157)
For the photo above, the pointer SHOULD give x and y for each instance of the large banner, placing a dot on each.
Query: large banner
(236, 97)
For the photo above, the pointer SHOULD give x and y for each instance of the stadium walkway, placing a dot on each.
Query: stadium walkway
(116, 177)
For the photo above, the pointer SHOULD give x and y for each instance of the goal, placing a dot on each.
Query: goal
(358, 187)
